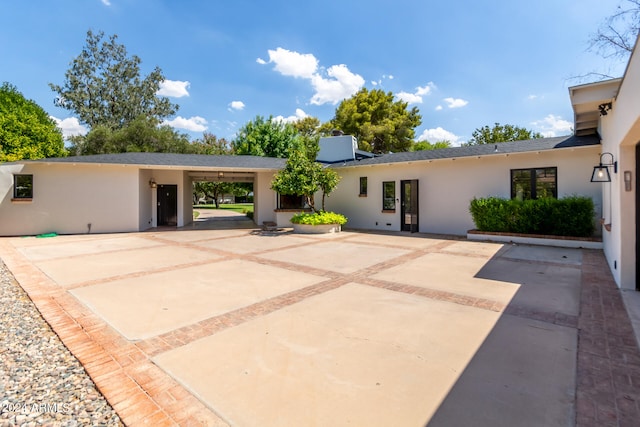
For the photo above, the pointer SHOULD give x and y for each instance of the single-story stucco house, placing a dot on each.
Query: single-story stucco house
(426, 191)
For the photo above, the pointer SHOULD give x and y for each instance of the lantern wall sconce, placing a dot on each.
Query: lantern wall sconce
(220, 175)
(601, 172)
(152, 183)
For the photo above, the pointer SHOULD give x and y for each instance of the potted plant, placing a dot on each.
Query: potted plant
(318, 222)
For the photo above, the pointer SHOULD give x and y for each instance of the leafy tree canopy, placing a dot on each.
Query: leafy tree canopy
(103, 86)
(212, 145)
(501, 133)
(266, 137)
(26, 130)
(140, 135)
(426, 145)
(380, 124)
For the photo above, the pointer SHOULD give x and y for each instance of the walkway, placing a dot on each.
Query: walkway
(233, 327)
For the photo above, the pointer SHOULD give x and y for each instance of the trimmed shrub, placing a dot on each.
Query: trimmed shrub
(569, 216)
(318, 218)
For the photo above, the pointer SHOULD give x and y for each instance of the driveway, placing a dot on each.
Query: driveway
(232, 326)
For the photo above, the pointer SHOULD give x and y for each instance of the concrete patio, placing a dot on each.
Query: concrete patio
(231, 326)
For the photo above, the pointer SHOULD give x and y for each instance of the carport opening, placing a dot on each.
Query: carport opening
(222, 193)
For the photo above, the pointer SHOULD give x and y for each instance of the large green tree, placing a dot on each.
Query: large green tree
(142, 135)
(426, 145)
(26, 130)
(103, 86)
(378, 122)
(266, 137)
(501, 133)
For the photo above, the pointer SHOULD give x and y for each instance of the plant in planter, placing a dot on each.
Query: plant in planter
(303, 176)
(318, 222)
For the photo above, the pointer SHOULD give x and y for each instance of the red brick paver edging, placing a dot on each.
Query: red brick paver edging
(608, 368)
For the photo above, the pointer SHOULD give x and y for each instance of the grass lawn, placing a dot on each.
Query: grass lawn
(238, 207)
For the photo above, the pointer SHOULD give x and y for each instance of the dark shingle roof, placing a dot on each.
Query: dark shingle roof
(170, 159)
(502, 148)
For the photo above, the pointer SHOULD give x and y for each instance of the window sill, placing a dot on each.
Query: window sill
(293, 210)
(362, 195)
(388, 211)
(21, 200)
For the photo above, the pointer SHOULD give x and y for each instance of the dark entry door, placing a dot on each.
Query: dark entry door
(409, 205)
(167, 204)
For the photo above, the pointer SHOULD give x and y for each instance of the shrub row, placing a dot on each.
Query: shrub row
(569, 216)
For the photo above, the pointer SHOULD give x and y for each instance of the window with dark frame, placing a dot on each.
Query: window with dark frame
(534, 183)
(363, 186)
(290, 201)
(388, 195)
(23, 186)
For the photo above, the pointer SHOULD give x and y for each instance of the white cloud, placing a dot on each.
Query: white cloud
(553, 126)
(193, 124)
(331, 86)
(532, 97)
(409, 98)
(416, 97)
(438, 134)
(236, 105)
(341, 84)
(106, 2)
(455, 102)
(439, 107)
(70, 126)
(293, 64)
(173, 88)
(300, 114)
(374, 83)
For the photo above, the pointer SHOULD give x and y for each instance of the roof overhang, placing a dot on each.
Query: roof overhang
(589, 102)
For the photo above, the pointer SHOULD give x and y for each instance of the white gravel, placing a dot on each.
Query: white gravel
(41, 382)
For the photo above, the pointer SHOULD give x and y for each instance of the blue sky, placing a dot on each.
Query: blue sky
(464, 64)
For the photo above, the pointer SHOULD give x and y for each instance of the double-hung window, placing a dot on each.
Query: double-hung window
(534, 183)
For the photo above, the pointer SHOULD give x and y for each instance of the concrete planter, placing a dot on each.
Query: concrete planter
(536, 239)
(316, 229)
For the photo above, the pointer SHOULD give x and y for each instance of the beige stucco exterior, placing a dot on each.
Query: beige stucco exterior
(446, 186)
(77, 198)
(620, 130)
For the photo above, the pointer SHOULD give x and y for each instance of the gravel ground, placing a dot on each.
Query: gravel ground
(41, 382)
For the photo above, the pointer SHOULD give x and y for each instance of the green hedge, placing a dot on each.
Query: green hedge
(569, 216)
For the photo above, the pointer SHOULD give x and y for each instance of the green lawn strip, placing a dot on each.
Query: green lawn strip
(237, 207)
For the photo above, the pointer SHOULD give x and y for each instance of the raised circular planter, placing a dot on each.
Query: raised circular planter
(316, 229)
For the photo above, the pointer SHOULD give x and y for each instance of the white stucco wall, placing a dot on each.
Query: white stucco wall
(264, 198)
(67, 198)
(447, 186)
(620, 134)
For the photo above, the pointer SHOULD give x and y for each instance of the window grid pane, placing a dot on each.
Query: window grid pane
(389, 195)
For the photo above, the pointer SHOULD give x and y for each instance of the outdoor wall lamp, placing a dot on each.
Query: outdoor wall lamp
(601, 172)
(152, 183)
(220, 175)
